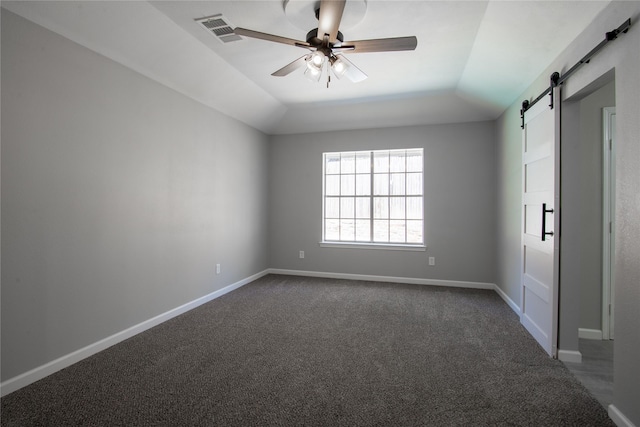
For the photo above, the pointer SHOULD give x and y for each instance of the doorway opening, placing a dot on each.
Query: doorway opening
(588, 225)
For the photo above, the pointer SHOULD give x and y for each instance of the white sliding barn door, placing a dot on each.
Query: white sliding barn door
(541, 223)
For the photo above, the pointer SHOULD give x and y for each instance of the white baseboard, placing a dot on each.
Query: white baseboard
(511, 303)
(407, 280)
(570, 356)
(590, 334)
(56, 365)
(618, 417)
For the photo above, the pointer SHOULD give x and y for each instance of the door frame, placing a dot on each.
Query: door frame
(608, 221)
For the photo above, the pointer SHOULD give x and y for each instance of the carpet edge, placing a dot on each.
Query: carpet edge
(40, 372)
(387, 279)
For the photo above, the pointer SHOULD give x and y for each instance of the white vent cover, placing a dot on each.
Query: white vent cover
(220, 27)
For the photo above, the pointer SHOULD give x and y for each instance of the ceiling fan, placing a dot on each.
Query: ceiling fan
(327, 44)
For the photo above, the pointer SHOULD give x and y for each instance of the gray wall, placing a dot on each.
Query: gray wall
(623, 56)
(119, 196)
(116, 198)
(459, 209)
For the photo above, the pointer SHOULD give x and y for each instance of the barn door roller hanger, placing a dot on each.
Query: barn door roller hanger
(557, 79)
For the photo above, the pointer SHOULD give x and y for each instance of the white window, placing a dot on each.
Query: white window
(373, 197)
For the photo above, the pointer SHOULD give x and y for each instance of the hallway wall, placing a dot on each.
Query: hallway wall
(623, 56)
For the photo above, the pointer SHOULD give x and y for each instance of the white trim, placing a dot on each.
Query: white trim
(511, 303)
(370, 172)
(38, 373)
(590, 334)
(608, 219)
(570, 356)
(383, 246)
(618, 417)
(407, 280)
(22, 380)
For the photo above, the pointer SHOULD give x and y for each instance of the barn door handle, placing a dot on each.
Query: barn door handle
(545, 211)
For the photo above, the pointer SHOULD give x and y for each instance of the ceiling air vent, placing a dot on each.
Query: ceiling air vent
(220, 27)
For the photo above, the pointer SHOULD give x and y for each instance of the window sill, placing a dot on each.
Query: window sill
(378, 246)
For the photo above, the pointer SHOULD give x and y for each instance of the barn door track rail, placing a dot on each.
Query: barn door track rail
(556, 79)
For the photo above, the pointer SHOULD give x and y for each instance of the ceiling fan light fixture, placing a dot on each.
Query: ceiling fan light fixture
(313, 67)
(338, 66)
(317, 58)
(312, 73)
(315, 64)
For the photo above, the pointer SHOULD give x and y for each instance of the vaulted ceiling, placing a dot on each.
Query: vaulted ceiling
(473, 58)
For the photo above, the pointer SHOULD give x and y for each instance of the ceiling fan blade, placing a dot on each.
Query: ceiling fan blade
(270, 37)
(381, 45)
(329, 18)
(352, 72)
(298, 63)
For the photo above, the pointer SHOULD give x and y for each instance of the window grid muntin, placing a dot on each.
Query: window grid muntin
(348, 165)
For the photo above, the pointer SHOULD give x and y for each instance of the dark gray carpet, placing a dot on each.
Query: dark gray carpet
(303, 351)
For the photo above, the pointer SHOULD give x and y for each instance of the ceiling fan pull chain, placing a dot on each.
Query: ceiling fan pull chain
(328, 80)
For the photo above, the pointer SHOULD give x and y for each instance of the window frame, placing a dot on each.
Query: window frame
(371, 173)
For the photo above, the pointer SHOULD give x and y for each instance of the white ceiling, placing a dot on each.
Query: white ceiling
(474, 58)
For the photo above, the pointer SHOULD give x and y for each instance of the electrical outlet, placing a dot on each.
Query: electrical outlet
(301, 254)
(432, 260)
(217, 268)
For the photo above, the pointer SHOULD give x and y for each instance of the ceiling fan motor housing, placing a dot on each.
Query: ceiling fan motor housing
(315, 41)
